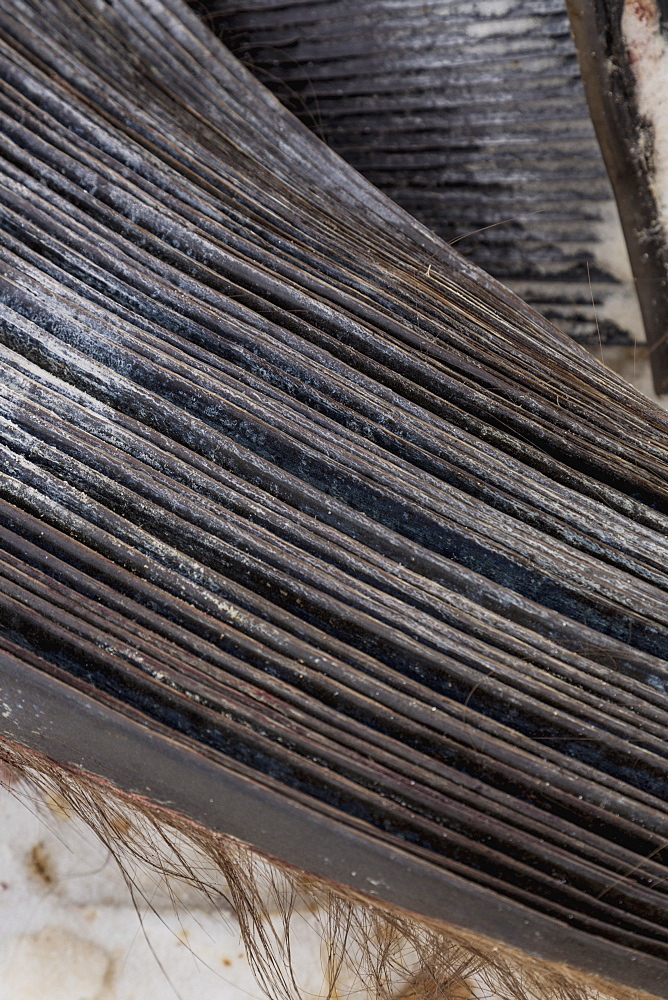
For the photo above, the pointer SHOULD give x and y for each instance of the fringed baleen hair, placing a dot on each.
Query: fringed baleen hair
(368, 949)
(316, 539)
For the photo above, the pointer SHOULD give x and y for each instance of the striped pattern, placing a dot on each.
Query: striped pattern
(284, 476)
(469, 115)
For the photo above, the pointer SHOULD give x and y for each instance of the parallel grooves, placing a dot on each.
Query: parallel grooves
(465, 115)
(281, 472)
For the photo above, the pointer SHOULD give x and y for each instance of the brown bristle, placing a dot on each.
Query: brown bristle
(314, 534)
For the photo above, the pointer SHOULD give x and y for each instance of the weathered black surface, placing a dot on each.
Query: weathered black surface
(472, 116)
(284, 477)
(627, 143)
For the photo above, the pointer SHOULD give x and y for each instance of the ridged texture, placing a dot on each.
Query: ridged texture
(285, 474)
(470, 115)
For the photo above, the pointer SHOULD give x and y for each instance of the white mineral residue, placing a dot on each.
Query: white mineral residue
(488, 26)
(648, 52)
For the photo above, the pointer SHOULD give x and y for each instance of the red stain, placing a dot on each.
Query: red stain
(646, 14)
(644, 10)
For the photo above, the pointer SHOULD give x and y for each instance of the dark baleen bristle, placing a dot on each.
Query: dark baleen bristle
(472, 116)
(310, 529)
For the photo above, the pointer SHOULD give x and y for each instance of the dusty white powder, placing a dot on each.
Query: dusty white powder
(648, 52)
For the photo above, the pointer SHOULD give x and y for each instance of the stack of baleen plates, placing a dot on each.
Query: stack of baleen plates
(308, 527)
(471, 116)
